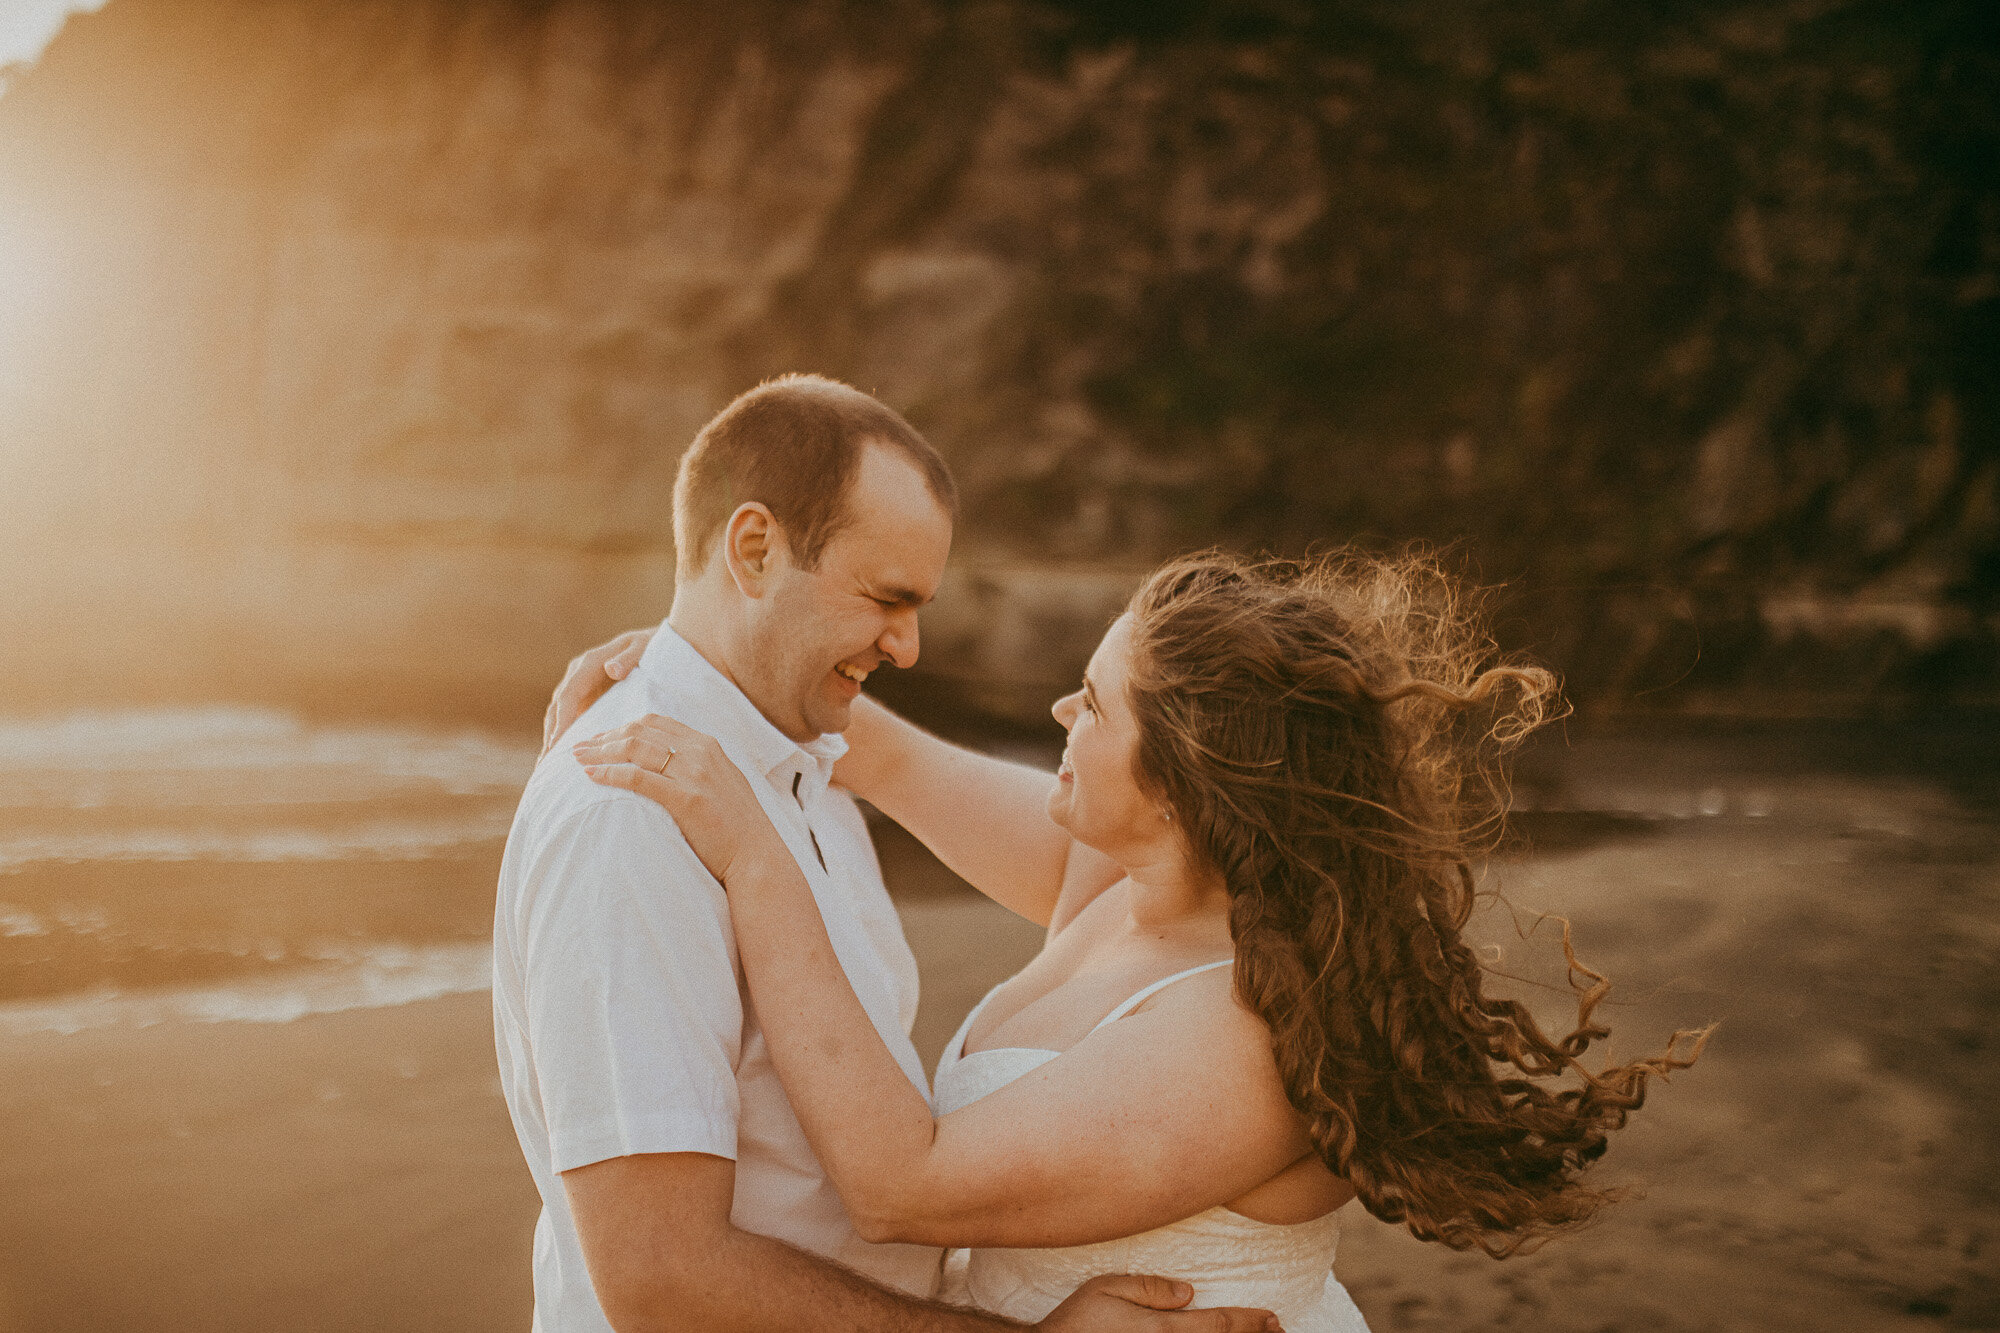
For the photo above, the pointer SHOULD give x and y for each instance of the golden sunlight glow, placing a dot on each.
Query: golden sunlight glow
(28, 26)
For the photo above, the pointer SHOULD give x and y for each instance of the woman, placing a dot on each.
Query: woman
(1254, 1002)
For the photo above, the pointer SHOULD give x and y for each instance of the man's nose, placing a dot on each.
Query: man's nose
(899, 640)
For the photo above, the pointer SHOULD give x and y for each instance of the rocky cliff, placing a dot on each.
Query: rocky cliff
(347, 349)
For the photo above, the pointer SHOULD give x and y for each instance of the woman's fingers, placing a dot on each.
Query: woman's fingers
(715, 834)
(652, 742)
(675, 732)
(581, 685)
(620, 664)
(708, 796)
(643, 781)
(573, 694)
(549, 732)
(658, 726)
(643, 751)
(590, 674)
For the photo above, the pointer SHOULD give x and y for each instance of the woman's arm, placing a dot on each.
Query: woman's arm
(1156, 1117)
(985, 818)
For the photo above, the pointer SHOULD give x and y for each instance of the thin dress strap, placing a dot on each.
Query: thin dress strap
(1154, 989)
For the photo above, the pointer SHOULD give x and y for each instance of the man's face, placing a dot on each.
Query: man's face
(818, 633)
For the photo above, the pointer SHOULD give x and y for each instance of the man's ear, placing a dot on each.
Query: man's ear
(752, 544)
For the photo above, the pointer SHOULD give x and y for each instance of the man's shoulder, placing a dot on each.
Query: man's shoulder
(560, 799)
(577, 846)
(562, 811)
(560, 792)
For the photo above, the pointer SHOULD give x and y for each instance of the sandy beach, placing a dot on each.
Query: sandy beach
(1830, 1165)
(351, 1170)
(345, 1171)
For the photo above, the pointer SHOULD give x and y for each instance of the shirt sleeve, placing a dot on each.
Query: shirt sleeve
(635, 1019)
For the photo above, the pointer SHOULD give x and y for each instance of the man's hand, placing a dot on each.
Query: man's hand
(1123, 1303)
(590, 674)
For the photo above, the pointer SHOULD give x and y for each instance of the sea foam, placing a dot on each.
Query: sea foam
(381, 976)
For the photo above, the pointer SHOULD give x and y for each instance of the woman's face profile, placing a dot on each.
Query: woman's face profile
(1096, 796)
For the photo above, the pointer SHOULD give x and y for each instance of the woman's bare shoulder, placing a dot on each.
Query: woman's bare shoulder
(1197, 1037)
(1211, 992)
(1206, 1007)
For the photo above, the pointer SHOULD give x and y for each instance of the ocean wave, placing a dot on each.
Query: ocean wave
(192, 740)
(17, 921)
(381, 841)
(378, 977)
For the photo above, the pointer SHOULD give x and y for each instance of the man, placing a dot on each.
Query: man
(678, 1190)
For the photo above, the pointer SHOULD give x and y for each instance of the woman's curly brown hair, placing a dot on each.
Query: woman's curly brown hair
(1328, 734)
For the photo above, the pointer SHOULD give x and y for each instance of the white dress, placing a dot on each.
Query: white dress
(1228, 1258)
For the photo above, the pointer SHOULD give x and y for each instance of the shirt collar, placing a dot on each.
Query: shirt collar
(691, 690)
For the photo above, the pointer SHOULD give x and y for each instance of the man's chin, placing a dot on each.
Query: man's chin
(830, 718)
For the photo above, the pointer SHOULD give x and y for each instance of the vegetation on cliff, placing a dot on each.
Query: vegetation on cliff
(1681, 319)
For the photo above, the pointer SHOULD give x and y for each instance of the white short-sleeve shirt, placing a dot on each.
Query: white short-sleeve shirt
(619, 1011)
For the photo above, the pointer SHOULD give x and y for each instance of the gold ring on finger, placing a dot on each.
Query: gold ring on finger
(671, 752)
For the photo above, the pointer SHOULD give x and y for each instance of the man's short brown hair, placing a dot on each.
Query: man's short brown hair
(792, 444)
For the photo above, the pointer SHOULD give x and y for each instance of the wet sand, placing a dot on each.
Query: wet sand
(344, 1171)
(349, 1170)
(1831, 1164)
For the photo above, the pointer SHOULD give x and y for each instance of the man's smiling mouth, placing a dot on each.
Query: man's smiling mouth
(852, 672)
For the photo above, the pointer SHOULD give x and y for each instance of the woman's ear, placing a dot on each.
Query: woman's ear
(751, 541)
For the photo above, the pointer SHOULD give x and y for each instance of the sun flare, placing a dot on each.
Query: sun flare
(28, 26)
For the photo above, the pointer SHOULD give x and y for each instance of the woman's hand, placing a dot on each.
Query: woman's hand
(686, 772)
(590, 674)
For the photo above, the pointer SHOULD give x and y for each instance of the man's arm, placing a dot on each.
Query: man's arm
(662, 1254)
